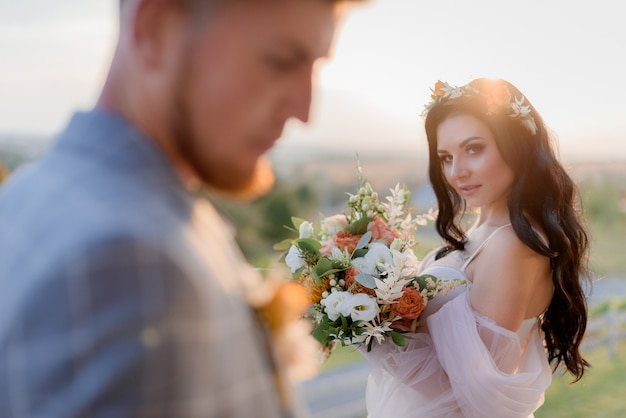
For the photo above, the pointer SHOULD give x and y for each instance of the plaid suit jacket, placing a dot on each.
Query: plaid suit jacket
(121, 293)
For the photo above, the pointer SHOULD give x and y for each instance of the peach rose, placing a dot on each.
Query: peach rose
(345, 240)
(327, 248)
(381, 231)
(410, 305)
(350, 278)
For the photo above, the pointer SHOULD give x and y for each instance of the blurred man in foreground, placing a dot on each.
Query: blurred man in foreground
(123, 293)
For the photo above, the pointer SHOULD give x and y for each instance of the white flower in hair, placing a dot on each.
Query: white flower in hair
(500, 98)
(521, 111)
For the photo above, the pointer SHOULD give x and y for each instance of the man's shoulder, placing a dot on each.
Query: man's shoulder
(49, 210)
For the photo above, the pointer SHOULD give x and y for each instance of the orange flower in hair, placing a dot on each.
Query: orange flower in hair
(439, 89)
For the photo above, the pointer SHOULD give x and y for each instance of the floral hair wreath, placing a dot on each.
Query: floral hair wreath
(497, 98)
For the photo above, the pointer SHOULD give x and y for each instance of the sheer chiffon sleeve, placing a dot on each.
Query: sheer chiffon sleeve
(491, 372)
(462, 365)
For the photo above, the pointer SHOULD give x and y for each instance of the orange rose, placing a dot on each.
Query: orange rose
(381, 231)
(350, 278)
(410, 305)
(345, 240)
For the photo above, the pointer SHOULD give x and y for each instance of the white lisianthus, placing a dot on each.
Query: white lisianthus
(360, 307)
(333, 224)
(333, 304)
(377, 255)
(306, 230)
(294, 259)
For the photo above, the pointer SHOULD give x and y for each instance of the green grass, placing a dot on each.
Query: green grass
(600, 394)
(342, 356)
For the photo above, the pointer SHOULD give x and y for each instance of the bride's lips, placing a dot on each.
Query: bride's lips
(468, 190)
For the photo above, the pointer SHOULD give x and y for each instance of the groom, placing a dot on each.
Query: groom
(122, 291)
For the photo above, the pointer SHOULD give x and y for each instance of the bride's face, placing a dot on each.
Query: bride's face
(471, 161)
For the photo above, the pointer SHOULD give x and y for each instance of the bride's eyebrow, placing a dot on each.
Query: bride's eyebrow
(462, 144)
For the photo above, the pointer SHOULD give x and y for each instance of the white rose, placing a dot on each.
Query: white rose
(360, 307)
(294, 259)
(306, 230)
(333, 304)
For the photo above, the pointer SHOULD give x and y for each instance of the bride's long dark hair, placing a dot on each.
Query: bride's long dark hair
(543, 193)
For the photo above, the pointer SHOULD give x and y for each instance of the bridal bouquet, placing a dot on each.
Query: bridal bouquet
(360, 271)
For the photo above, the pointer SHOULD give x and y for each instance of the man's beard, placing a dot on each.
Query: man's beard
(238, 186)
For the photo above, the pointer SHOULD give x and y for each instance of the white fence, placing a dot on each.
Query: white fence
(340, 393)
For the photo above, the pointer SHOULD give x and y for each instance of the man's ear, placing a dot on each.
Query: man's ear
(157, 27)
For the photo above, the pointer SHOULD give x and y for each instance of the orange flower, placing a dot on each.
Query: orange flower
(290, 302)
(439, 89)
(314, 290)
(345, 240)
(381, 231)
(410, 305)
(350, 278)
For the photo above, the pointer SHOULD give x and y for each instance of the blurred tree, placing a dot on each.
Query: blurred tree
(261, 224)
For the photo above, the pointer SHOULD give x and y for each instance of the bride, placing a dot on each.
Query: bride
(489, 347)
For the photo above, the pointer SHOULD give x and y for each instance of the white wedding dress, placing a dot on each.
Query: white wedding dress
(459, 363)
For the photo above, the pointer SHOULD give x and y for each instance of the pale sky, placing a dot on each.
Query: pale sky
(566, 56)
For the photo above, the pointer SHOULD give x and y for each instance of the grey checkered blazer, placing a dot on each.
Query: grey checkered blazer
(121, 293)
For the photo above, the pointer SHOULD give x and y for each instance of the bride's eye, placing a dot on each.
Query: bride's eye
(445, 159)
(474, 149)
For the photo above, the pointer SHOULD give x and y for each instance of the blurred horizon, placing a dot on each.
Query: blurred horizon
(563, 56)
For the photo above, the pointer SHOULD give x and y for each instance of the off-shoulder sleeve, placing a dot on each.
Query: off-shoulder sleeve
(491, 372)
(463, 365)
